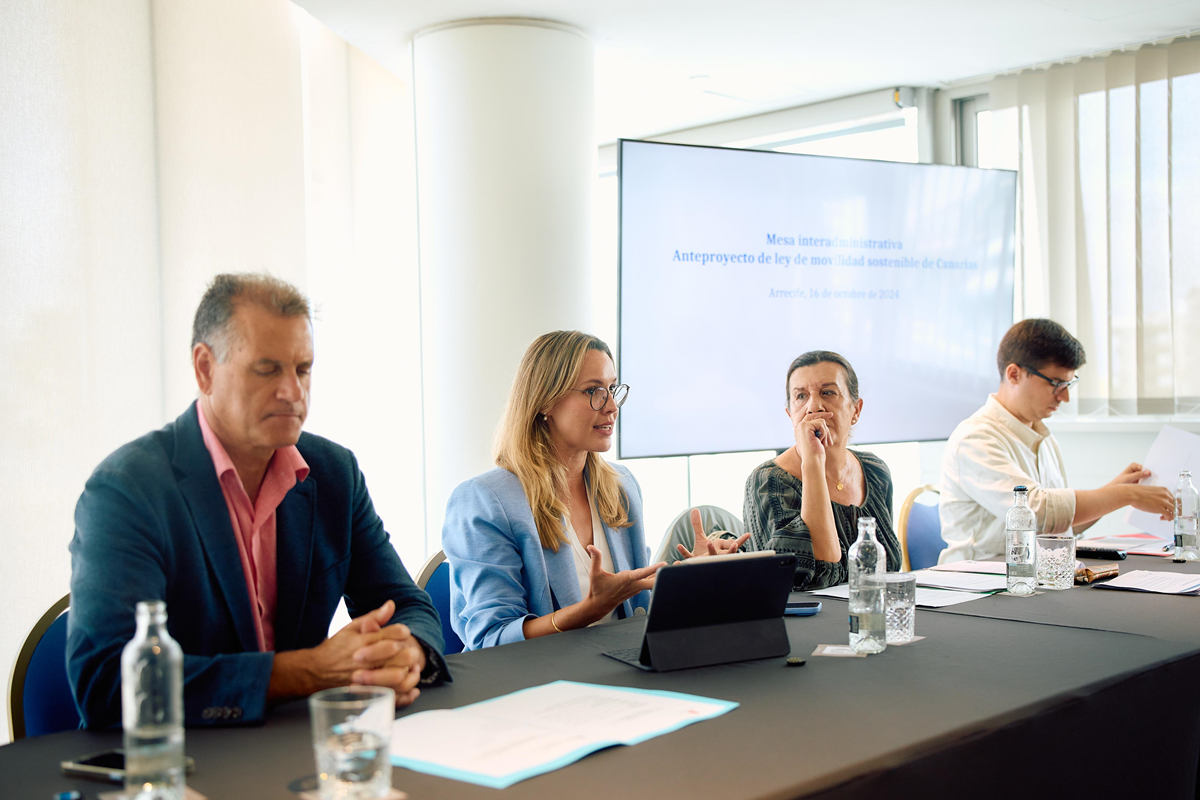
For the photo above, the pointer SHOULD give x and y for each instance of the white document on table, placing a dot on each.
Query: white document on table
(1136, 544)
(510, 738)
(841, 590)
(925, 598)
(1173, 450)
(982, 567)
(962, 581)
(1142, 580)
(940, 598)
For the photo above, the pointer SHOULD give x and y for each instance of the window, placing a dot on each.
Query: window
(1107, 155)
(974, 134)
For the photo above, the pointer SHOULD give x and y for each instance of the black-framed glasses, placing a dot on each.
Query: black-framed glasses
(1057, 384)
(598, 395)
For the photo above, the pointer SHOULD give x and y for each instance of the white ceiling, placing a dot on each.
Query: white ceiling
(663, 65)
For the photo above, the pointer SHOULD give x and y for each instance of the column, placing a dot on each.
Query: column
(505, 172)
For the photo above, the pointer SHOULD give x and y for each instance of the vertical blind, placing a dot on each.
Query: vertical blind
(1108, 223)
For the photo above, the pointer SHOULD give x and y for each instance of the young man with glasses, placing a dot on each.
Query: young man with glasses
(1005, 444)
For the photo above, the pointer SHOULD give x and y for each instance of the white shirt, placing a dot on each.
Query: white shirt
(988, 454)
(583, 562)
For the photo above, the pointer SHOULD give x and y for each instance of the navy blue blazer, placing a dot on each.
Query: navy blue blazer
(152, 524)
(500, 575)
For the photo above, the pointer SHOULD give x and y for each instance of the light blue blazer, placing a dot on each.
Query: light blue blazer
(500, 575)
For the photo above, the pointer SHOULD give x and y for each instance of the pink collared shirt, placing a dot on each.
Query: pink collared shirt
(254, 524)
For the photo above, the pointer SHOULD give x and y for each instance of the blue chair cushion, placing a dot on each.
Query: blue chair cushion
(439, 591)
(49, 703)
(925, 541)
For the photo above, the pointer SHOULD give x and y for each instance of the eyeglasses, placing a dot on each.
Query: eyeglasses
(1058, 385)
(598, 395)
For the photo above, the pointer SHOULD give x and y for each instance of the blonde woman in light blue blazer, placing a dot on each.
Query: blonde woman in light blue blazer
(552, 539)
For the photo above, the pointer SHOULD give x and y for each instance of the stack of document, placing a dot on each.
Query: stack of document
(962, 581)
(949, 585)
(927, 597)
(1142, 580)
(984, 567)
(510, 738)
(1135, 544)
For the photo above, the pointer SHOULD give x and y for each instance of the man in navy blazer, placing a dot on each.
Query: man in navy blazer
(250, 530)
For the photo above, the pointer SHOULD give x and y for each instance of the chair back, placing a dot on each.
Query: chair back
(39, 695)
(713, 518)
(434, 578)
(920, 530)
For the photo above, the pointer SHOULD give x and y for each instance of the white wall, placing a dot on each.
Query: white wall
(363, 276)
(230, 130)
(79, 322)
(145, 146)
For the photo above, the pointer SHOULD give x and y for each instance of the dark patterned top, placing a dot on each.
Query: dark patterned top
(772, 514)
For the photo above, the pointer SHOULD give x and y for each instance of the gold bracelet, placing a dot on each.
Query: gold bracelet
(552, 622)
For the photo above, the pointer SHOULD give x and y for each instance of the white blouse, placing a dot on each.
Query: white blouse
(583, 562)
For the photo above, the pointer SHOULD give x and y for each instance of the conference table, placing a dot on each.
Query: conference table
(1084, 692)
(1170, 617)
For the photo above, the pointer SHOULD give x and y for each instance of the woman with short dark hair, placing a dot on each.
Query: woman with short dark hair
(808, 500)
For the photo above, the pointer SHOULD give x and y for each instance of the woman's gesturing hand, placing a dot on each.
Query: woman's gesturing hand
(607, 590)
(704, 546)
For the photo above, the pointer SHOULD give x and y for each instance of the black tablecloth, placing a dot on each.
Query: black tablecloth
(1171, 617)
(981, 708)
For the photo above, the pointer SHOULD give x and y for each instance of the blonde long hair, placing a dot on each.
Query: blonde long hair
(547, 373)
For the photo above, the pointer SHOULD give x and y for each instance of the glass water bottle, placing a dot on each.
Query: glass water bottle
(867, 563)
(1186, 502)
(152, 708)
(1020, 548)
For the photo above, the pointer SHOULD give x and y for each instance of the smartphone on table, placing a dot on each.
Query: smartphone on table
(801, 608)
(107, 765)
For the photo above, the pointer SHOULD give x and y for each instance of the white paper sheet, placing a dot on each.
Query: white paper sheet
(1173, 450)
(940, 598)
(1138, 544)
(1141, 580)
(516, 736)
(962, 581)
(841, 590)
(925, 598)
(982, 567)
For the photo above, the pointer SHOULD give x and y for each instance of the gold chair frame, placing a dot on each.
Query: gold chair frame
(431, 565)
(16, 681)
(902, 521)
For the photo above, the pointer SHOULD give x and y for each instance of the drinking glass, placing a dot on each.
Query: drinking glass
(352, 731)
(1055, 561)
(900, 606)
